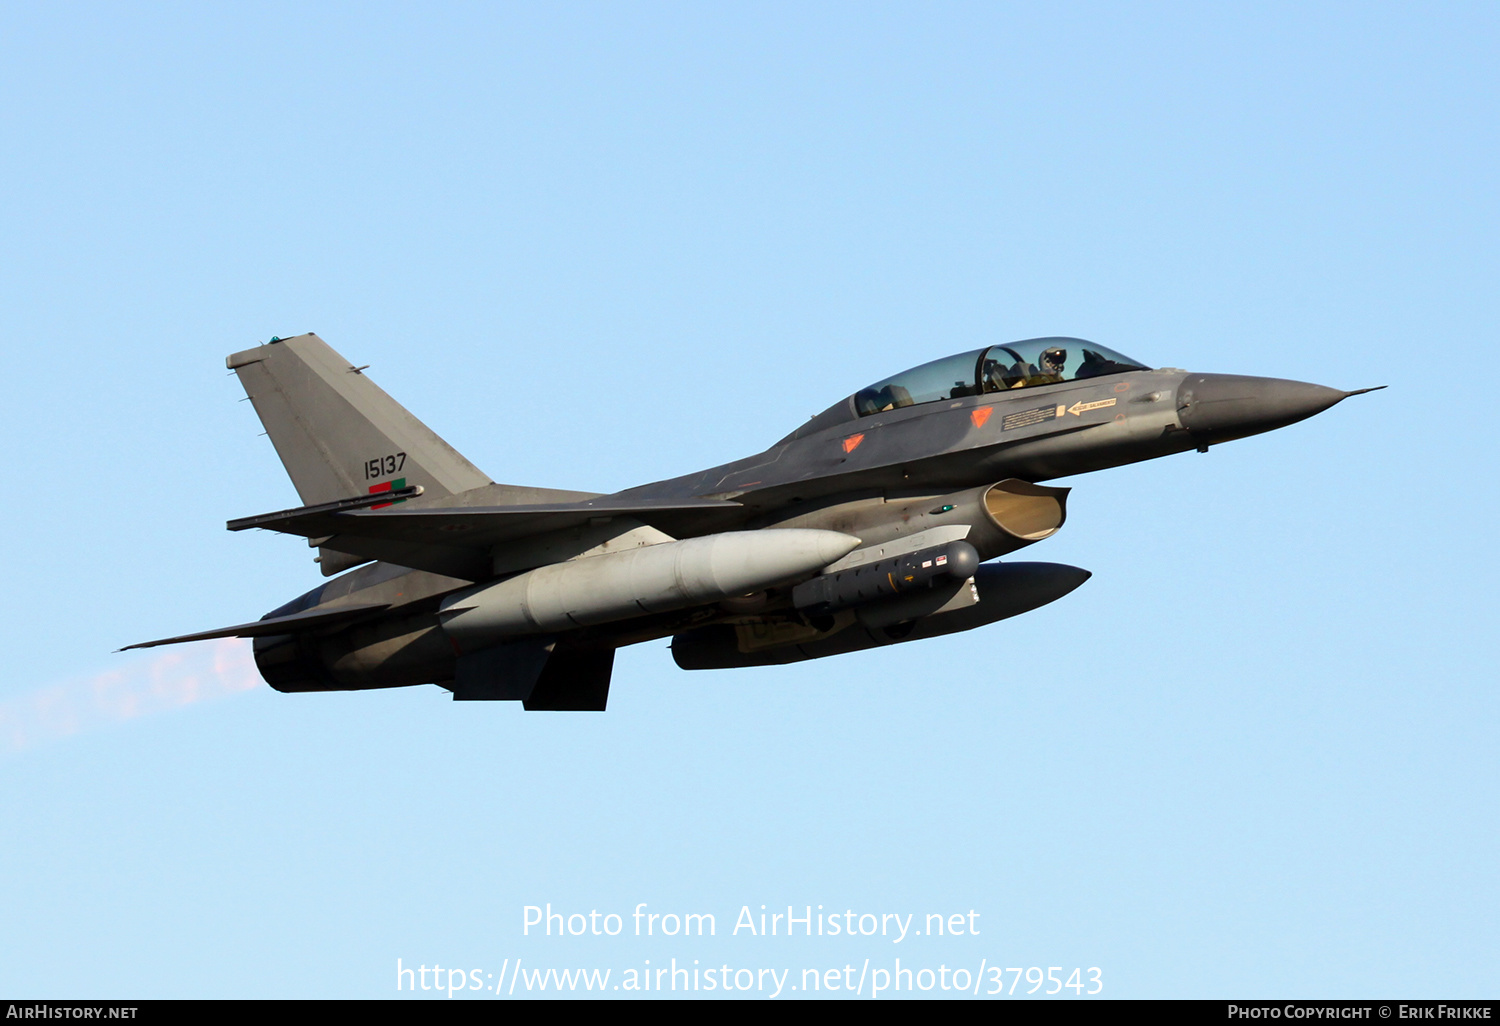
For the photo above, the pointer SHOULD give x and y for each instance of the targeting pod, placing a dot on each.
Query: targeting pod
(867, 582)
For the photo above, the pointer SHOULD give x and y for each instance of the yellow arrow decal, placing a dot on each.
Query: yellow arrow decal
(1078, 409)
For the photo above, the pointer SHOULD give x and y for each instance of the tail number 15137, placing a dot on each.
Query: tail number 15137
(381, 466)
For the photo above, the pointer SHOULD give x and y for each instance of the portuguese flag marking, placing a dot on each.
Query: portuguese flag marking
(395, 485)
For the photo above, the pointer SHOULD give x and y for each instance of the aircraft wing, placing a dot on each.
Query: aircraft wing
(294, 623)
(458, 541)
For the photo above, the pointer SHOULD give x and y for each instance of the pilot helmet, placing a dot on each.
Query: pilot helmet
(1053, 360)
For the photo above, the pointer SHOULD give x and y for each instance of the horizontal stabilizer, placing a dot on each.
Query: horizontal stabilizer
(358, 502)
(457, 541)
(296, 622)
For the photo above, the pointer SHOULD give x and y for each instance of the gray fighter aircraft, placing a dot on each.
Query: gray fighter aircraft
(872, 524)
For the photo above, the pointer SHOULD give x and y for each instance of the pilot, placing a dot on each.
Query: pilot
(1053, 362)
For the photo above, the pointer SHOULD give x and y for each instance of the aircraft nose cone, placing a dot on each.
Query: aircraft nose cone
(1218, 407)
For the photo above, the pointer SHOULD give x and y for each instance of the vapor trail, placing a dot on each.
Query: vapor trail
(171, 680)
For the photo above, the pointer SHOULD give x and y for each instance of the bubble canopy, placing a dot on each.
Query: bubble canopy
(1026, 364)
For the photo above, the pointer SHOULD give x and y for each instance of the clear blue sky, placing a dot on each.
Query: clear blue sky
(595, 245)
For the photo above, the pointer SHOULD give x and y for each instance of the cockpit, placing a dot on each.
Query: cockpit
(1027, 364)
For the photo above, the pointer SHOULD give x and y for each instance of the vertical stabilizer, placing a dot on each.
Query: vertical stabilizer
(337, 433)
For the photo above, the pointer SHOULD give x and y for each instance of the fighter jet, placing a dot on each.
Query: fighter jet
(878, 522)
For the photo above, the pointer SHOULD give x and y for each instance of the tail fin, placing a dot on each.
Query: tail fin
(337, 433)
